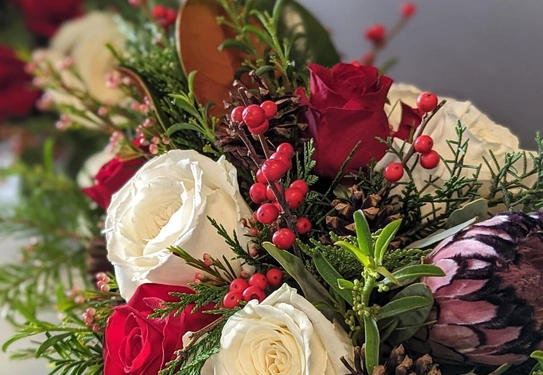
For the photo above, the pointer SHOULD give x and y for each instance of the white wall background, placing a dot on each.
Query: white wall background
(487, 51)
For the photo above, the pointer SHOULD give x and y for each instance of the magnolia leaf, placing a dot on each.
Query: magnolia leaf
(331, 276)
(312, 289)
(403, 305)
(385, 237)
(414, 318)
(363, 233)
(372, 343)
(437, 237)
(477, 209)
(198, 39)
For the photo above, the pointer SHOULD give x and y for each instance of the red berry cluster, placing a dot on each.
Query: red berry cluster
(428, 158)
(164, 16)
(255, 116)
(254, 288)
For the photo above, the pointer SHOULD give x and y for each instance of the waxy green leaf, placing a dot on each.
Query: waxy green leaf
(373, 343)
(331, 276)
(363, 234)
(385, 237)
(402, 305)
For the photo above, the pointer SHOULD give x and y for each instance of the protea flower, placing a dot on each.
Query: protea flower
(489, 306)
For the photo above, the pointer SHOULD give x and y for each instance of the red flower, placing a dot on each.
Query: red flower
(346, 107)
(137, 345)
(18, 95)
(44, 17)
(111, 177)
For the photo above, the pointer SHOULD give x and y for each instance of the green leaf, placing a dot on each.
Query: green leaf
(345, 284)
(476, 209)
(331, 276)
(384, 239)
(363, 234)
(182, 126)
(537, 355)
(372, 343)
(414, 272)
(49, 155)
(264, 69)
(232, 43)
(312, 289)
(182, 102)
(437, 237)
(412, 319)
(276, 13)
(386, 273)
(387, 329)
(362, 258)
(403, 305)
(262, 35)
(50, 342)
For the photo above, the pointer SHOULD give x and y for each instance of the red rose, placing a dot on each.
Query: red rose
(347, 107)
(111, 177)
(137, 345)
(18, 95)
(44, 17)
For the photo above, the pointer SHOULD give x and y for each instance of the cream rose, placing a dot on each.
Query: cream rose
(84, 41)
(167, 204)
(483, 134)
(283, 335)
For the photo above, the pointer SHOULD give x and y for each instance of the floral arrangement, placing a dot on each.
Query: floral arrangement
(259, 207)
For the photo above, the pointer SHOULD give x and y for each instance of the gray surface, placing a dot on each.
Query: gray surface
(487, 51)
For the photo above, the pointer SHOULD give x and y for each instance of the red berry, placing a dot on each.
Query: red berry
(270, 194)
(300, 185)
(368, 58)
(408, 9)
(284, 238)
(258, 280)
(238, 285)
(257, 192)
(231, 300)
(254, 292)
(275, 277)
(278, 206)
(159, 11)
(429, 160)
(424, 144)
(427, 102)
(267, 213)
(303, 225)
(282, 157)
(270, 109)
(171, 16)
(294, 198)
(260, 129)
(375, 33)
(253, 116)
(260, 177)
(286, 148)
(273, 170)
(236, 114)
(393, 172)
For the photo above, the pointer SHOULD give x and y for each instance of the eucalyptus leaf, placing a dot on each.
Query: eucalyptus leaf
(385, 237)
(331, 276)
(372, 343)
(312, 289)
(403, 305)
(412, 319)
(437, 237)
(477, 209)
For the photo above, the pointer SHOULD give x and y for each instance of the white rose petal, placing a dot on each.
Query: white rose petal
(483, 134)
(165, 204)
(283, 335)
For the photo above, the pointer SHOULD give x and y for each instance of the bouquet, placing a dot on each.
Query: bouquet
(259, 207)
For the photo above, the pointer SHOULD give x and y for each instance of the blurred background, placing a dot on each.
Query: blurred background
(485, 51)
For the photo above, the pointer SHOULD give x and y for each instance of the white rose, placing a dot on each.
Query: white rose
(483, 134)
(84, 40)
(283, 335)
(165, 204)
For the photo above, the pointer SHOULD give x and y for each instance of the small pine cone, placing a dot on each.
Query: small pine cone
(284, 127)
(97, 258)
(378, 217)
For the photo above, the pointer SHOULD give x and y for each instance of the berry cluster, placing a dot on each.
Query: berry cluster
(164, 16)
(254, 288)
(423, 144)
(90, 318)
(255, 116)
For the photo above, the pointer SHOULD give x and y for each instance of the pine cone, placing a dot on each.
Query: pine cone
(377, 216)
(284, 127)
(97, 258)
(398, 363)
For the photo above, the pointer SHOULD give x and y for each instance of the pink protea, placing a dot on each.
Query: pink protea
(489, 306)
